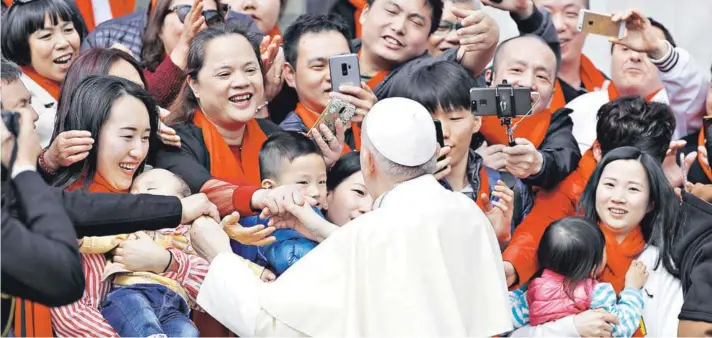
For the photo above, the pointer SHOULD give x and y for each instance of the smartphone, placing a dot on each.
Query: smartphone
(600, 24)
(707, 126)
(439, 133)
(334, 111)
(483, 101)
(344, 71)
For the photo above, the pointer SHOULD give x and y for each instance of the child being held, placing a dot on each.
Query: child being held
(287, 158)
(572, 254)
(132, 293)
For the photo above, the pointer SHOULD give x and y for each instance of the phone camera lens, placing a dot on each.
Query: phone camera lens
(344, 69)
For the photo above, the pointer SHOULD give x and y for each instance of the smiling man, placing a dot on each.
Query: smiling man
(646, 63)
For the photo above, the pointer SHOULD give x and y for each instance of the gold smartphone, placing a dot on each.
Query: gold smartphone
(335, 110)
(600, 24)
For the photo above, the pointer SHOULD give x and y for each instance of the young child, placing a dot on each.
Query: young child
(131, 291)
(287, 158)
(571, 254)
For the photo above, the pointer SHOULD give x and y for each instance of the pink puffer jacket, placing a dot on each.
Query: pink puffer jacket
(548, 300)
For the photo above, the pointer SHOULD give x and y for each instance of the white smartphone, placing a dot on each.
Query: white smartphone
(600, 24)
(344, 71)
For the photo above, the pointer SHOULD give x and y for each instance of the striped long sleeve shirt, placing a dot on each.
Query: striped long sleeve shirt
(628, 307)
(83, 318)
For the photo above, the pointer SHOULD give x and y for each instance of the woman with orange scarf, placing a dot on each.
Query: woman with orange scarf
(43, 37)
(628, 195)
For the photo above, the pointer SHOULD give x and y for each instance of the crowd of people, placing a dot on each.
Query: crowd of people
(165, 173)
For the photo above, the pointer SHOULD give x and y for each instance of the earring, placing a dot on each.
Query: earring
(262, 106)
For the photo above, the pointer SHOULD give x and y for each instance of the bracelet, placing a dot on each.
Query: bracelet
(42, 163)
(170, 261)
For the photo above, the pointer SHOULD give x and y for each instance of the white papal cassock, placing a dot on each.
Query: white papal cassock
(424, 263)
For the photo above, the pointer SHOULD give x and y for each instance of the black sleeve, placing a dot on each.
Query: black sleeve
(560, 150)
(100, 214)
(191, 161)
(540, 24)
(40, 258)
(697, 305)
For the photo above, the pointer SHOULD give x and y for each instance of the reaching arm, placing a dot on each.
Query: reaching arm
(628, 309)
(520, 307)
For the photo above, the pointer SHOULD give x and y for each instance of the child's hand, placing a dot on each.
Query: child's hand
(257, 235)
(637, 275)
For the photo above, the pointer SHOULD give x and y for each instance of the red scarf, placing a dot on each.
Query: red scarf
(309, 119)
(99, 184)
(532, 127)
(224, 164)
(50, 86)
(359, 5)
(591, 78)
(701, 143)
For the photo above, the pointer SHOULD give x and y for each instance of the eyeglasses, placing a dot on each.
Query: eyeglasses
(445, 27)
(212, 16)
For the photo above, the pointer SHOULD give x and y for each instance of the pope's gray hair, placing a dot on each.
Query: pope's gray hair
(396, 170)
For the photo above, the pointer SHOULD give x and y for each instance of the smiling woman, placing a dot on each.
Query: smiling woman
(123, 119)
(43, 37)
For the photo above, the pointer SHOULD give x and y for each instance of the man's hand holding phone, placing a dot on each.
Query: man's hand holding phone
(521, 8)
(361, 97)
(639, 34)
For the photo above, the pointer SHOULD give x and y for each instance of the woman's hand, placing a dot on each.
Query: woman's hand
(256, 235)
(142, 254)
(68, 148)
(331, 146)
(167, 134)
(273, 77)
(193, 24)
(594, 323)
(361, 97)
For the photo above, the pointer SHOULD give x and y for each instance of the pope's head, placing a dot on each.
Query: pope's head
(398, 144)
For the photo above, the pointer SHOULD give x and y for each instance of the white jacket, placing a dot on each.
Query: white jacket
(46, 107)
(684, 89)
(662, 299)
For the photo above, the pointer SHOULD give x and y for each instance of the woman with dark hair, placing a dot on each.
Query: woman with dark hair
(123, 119)
(73, 145)
(632, 201)
(43, 37)
(347, 197)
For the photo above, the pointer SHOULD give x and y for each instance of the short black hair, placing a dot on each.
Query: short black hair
(305, 24)
(346, 166)
(23, 19)
(666, 32)
(435, 5)
(572, 247)
(435, 84)
(632, 121)
(9, 71)
(500, 48)
(283, 146)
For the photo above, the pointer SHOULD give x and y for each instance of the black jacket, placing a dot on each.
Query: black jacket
(693, 257)
(40, 259)
(192, 161)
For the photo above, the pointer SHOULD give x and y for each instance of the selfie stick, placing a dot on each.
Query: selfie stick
(504, 95)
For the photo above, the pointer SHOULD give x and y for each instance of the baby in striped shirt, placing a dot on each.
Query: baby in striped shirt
(572, 253)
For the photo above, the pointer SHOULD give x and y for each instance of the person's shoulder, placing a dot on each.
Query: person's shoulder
(268, 127)
(292, 122)
(588, 102)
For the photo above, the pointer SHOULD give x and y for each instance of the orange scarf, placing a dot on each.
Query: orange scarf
(574, 185)
(309, 119)
(359, 5)
(701, 143)
(118, 8)
(99, 184)
(620, 256)
(614, 94)
(591, 78)
(50, 86)
(376, 79)
(275, 31)
(223, 163)
(532, 127)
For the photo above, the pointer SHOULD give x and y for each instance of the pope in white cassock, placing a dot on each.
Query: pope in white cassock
(424, 262)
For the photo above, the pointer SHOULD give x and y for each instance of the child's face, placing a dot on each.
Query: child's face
(310, 173)
(156, 182)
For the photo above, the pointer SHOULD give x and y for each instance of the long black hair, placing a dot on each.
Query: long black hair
(662, 197)
(89, 108)
(572, 247)
(346, 166)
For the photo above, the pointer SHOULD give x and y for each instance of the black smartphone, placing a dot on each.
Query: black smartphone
(707, 126)
(12, 121)
(483, 101)
(439, 132)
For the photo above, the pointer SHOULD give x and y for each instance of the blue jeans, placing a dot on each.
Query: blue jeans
(142, 310)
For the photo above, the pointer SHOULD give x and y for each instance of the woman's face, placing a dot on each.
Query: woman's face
(229, 86)
(623, 195)
(122, 68)
(123, 141)
(172, 26)
(53, 48)
(348, 200)
(264, 12)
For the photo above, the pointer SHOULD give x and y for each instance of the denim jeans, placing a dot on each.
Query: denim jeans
(142, 310)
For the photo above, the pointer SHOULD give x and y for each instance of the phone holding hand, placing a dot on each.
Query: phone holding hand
(344, 70)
